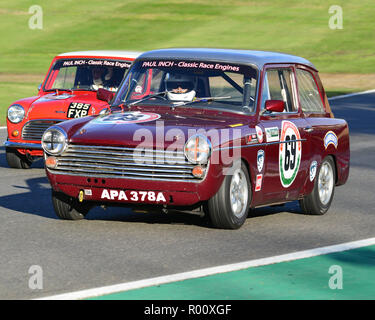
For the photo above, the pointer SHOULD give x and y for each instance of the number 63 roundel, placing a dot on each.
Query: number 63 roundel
(290, 151)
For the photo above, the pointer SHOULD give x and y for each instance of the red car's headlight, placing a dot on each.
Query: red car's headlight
(16, 113)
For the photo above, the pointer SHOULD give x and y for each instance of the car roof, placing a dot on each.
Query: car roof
(103, 53)
(252, 57)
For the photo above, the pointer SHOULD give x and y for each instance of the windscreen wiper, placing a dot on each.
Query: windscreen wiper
(153, 95)
(128, 105)
(71, 90)
(205, 99)
(56, 90)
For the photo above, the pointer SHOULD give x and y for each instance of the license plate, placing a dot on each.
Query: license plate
(78, 110)
(134, 196)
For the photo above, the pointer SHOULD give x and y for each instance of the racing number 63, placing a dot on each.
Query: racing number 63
(290, 152)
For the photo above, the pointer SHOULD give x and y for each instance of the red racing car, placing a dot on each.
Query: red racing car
(77, 84)
(216, 130)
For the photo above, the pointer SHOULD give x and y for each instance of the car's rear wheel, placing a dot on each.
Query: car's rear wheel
(320, 199)
(16, 160)
(229, 207)
(68, 208)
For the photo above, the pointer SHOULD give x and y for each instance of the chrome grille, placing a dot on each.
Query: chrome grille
(34, 129)
(128, 163)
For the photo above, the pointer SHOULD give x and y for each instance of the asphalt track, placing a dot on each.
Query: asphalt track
(116, 245)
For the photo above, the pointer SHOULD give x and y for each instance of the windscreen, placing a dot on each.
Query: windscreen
(86, 74)
(203, 84)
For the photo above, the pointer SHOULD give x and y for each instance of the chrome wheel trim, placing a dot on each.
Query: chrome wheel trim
(239, 193)
(325, 183)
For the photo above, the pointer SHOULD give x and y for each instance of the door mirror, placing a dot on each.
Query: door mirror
(274, 106)
(40, 87)
(104, 95)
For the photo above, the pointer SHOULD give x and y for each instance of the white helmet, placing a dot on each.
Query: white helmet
(187, 96)
(180, 87)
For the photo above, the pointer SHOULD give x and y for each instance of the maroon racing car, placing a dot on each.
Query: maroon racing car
(216, 130)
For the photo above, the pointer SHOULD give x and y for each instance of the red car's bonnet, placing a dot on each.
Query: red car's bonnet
(55, 106)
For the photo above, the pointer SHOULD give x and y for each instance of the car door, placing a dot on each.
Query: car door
(286, 136)
(324, 130)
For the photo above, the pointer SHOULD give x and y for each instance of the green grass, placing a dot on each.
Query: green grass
(12, 91)
(296, 27)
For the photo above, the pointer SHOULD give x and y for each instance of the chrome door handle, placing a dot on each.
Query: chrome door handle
(308, 129)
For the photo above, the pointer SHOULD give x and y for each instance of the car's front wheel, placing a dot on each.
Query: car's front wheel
(16, 160)
(319, 200)
(68, 208)
(229, 207)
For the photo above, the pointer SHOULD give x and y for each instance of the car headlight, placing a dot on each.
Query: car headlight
(197, 149)
(54, 140)
(16, 113)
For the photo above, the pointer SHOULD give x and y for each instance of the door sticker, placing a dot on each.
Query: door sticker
(258, 183)
(272, 134)
(330, 138)
(260, 160)
(313, 168)
(290, 151)
(251, 138)
(259, 134)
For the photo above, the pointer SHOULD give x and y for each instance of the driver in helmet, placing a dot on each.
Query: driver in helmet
(103, 78)
(97, 73)
(180, 87)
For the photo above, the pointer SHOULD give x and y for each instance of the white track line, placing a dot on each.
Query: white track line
(351, 94)
(209, 271)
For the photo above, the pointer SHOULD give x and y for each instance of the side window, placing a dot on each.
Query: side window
(308, 92)
(220, 88)
(148, 83)
(277, 85)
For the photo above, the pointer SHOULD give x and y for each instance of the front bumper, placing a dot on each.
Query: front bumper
(23, 145)
(176, 193)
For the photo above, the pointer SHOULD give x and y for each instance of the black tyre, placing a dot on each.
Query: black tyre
(229, 207)
(320, 199)
(68, 208)
(16, 160)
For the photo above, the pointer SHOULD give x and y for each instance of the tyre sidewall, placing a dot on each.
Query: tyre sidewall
(16, 160)
(221, 203)
(67, 208)
(318, 207)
